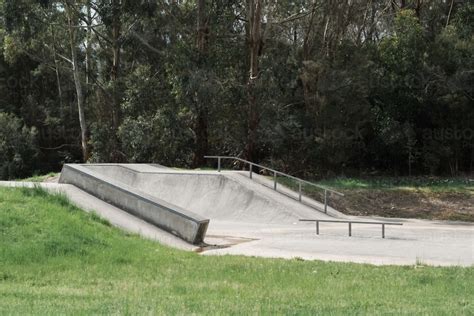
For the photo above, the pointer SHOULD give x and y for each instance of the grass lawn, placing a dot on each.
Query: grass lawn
(429, 184)
(425, 184)
(56, 259)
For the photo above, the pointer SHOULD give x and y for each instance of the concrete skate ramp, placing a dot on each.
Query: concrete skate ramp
(226, 196)
(116, 191)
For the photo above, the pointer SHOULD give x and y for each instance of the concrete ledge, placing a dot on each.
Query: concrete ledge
(182, 223)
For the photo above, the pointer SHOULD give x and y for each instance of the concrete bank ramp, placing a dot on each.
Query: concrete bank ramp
(116, 190)
(225, 196)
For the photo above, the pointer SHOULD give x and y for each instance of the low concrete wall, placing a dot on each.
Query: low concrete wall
(184, 224)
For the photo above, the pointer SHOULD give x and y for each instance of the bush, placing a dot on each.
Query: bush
(161, 138)
(18, 147)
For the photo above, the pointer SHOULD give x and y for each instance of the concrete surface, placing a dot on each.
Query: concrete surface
(249, 218)
(178, 221)
(416, 242)
(217, 196)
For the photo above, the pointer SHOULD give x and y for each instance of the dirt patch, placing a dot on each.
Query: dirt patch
(458, 206)
(52, 179)
(221, 242)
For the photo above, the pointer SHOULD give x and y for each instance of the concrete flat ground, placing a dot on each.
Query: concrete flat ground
(248, 218)
(434, 243)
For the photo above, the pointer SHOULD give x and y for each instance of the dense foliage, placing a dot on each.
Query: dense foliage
(311, 87)
(18, 148)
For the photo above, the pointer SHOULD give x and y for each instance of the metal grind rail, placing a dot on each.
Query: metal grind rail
(350, 224)
(277, 173)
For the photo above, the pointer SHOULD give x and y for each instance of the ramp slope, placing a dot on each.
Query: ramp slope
(185, 224)
(225, 196)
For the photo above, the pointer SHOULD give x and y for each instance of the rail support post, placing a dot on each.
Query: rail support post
(326, 201)
(250, 170)
(299, 196)
(274, 181)
(219, 164)
(317, 221)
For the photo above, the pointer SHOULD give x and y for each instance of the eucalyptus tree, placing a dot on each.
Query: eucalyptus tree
(50, 33)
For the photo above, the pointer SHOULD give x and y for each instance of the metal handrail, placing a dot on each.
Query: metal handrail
(350, 224)
(275, 174)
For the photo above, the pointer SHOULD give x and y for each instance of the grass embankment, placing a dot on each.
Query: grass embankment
(42, 178)
(410, 197)
(56, 259)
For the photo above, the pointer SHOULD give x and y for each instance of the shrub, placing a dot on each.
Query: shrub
(18, 147)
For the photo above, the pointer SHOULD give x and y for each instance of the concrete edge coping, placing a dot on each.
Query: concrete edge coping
(137, 193)
(166, 170)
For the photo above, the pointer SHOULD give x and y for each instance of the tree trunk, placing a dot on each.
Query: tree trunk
(78, 84)
(418, 8)
(202, 112)
(58, 77)
(255, 45)
(201, 134)
(308, 44)
(202, 28)
(115, 71)
(449, 13)
(372, 27)
(116, 31)
(471, 165)
(88, 44)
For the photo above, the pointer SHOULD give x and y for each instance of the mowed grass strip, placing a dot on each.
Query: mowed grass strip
(425, 184)
(56, 259)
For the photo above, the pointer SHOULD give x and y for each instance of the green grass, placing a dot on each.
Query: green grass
(56, 259)
(39, 178)
(424, 184)
(427, 183)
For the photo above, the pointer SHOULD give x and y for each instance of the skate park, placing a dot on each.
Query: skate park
(241, 212)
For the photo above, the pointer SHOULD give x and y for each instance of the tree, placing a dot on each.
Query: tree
(255, 43)
(52, 18)
(202, 107)
(73, 26)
